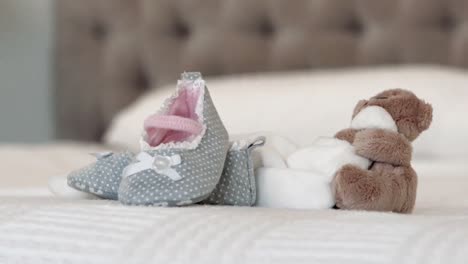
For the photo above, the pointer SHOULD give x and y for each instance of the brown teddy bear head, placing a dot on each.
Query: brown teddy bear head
(411, 114)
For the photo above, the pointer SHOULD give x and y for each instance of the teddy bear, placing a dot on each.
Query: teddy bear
(389, 183)
(364, 167)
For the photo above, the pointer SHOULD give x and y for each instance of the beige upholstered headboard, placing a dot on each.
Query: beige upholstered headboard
(109, 51)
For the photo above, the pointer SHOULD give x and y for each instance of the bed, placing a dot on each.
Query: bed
(117, 60)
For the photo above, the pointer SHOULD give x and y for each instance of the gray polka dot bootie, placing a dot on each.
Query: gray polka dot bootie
(103, 177)
(235, 187)
(237, 184)
(184, 147)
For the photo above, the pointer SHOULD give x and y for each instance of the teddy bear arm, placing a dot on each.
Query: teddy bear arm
(383, 146)
(384, 188)
(347, 134)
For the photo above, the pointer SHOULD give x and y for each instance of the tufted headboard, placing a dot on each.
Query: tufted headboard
(110, 51)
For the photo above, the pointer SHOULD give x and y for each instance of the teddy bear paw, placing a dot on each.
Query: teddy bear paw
(355, 189)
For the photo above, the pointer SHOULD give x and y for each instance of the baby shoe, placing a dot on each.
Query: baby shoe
(184, 147)
(237, 184)
(103, 177)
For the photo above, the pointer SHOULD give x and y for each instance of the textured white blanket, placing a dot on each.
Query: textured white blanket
(35, 228)
(44, 230)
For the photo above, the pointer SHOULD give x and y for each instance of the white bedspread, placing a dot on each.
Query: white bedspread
(28, 166)
(58, 231)
(35, 227)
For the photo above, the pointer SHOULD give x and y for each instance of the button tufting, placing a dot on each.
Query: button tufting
(266, 28)
(98, 31)
(236, 36)
(354, 26)
(141, 80)
(181, 30)
(447, 23)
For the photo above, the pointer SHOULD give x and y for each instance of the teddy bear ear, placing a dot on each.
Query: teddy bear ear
(425, 116)
(360, 105)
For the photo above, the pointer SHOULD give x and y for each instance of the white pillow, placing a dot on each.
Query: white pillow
(305, 105)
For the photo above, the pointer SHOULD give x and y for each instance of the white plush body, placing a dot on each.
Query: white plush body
(303, 181)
